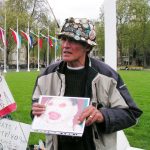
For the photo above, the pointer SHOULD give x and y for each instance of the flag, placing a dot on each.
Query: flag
(20, 39)
(50, 42)
(53, 38)
(1, 33)
(28, 38)
(32, 41)
(40, 42)
(56, 43)
(2, 36)
(17, 38)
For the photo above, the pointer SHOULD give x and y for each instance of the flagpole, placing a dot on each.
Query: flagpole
(55, 45)
(17, 70)
(38, 50)
(28, 50)
(5, 46)
(48, 47)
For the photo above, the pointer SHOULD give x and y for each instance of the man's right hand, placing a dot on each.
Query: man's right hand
(38, 109)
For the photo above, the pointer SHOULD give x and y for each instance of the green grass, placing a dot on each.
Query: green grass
(21, 85)
(138, 83)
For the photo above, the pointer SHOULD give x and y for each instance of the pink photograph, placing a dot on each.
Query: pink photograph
(61, 115)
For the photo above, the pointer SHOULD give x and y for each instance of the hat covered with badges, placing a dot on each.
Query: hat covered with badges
(81, 29)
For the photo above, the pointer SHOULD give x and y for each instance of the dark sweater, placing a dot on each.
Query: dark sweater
(76, 81)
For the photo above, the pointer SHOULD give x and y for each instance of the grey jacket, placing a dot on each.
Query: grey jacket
(108, 92)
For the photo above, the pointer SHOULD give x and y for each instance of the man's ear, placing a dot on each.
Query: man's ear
(88, 47)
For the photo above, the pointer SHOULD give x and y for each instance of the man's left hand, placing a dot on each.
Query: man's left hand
(91, 114)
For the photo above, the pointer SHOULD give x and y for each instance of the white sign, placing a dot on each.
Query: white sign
(7, 103)
(13, 135)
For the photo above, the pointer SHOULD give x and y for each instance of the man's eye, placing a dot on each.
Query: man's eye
(64, 38)
(71, 40)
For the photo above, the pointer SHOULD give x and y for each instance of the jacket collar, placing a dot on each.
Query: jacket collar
(62, 65)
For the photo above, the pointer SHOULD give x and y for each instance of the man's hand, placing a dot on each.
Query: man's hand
(91, 114)
(38, 109)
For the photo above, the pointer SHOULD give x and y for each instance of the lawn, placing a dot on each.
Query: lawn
(138, 83)
(21, 85)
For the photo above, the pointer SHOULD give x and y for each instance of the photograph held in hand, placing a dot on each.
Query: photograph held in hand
(61, 115)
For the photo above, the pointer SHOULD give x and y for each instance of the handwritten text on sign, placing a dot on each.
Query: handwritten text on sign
(13, 135)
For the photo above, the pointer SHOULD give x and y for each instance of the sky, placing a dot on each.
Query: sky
(75, 8)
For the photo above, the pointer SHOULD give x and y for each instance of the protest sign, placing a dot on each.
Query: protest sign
(7, 103)
(13, 135)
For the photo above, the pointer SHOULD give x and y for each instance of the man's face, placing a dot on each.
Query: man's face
(73, 52)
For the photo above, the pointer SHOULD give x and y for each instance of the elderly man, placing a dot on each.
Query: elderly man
(112, 108)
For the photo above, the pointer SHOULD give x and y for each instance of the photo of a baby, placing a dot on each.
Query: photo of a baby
(61, 115)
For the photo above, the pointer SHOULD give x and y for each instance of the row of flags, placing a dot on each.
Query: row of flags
(18, 38)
